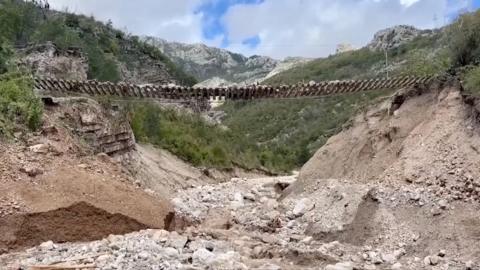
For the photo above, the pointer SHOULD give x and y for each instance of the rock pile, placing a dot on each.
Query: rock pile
(401, 213)
(243, 224)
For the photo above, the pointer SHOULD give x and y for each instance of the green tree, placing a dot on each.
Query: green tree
(5, 55)
(18, 103)
(56, 31)
(472, 81)
(18, 20)
(464, 43)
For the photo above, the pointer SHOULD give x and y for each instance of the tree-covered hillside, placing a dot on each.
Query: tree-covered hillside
(275, 135)
(25, 23)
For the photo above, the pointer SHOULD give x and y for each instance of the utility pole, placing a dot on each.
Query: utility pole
(386, 61)
(303, 70)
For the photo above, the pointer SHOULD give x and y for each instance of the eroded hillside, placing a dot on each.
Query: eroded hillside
(393, 187)
(353, 206)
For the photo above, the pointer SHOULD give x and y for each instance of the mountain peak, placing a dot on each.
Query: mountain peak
(395, 36)
(206, 62)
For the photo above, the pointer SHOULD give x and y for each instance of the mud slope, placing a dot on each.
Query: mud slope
(405, 173)
(44, 173)
(78, 222)
(162, 172)
(422, 136)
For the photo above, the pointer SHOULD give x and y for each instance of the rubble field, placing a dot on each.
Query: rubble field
(398, 189)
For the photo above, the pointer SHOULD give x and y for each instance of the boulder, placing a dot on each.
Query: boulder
(39, 148)
(340, 266)
(302, 206)
(202, 257)
(31, 171)
(49, 245)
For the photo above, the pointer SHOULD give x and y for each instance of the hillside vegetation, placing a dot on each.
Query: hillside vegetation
(422, 56)
(281, 135)
(274, 135)
(19, 107)
(24, 22)
(465, 48)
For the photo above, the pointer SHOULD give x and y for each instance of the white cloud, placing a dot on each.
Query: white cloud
(313, 28)
(310, 28)
(173, 20)
(408, 2)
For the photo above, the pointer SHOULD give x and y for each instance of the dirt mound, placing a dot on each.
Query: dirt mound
(54, 169)
(78, 222)
(426, 136)
(417, 154)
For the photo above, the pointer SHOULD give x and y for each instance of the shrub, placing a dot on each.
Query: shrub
(102, 67)
(472, 81)
(18, 104)
(425, 62)
(71, 20)
(349, 65)
(289, 131)
(56, 31)
(188, 136)
(5, 55)
(464, 39)
(18, 20)
(278, 135)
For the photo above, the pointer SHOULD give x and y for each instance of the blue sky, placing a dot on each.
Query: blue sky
(277, 28)
(212, 25)
(476, 4)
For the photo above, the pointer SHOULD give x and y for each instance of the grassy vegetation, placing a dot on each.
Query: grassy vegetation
(5, 55)
(346, 65)
(25, 22)
(290, 131)
(422, 56)
(19, 107)
(472, 81)
(190, 137)
(464, 39)
(277, 135)
(465, 49)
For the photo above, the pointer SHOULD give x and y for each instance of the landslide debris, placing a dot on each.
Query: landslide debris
(421, 137)
(59, 184)
(78, 222)
(351, 209)
(242, 224)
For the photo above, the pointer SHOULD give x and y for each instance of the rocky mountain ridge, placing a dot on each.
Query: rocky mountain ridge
(211, 65)
(395, 36)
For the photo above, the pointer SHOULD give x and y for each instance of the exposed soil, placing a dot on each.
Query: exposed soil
(51, 183)
(164, 173)
(428, 139)
(79, 222)
(398, 189)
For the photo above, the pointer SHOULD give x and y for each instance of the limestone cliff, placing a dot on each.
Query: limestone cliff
(206, 63)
